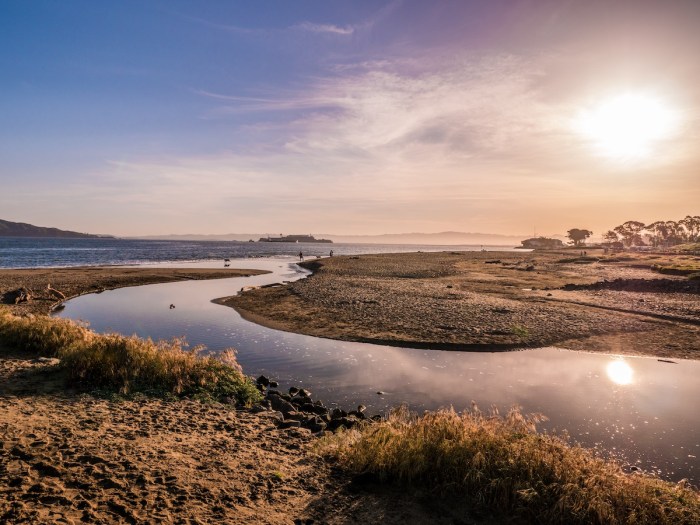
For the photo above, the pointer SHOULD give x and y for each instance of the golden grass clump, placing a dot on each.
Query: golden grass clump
(502, 465)
(129, 364)
(44, 336)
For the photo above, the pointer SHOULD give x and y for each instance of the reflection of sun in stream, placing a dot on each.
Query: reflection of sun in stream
(620, 372)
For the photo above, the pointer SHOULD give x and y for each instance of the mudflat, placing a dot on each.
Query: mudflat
(75, 281)
(491, 301)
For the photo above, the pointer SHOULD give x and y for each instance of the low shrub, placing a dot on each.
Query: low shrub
(44, 336)
(677, 269)
(502, 465)
(129, 364)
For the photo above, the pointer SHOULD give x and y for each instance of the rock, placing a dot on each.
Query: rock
(304, 393)
(282, 405)
(296, 416)
(290, 423)
(293, 391)
(264, 381)
(274, 384)
(337, 413)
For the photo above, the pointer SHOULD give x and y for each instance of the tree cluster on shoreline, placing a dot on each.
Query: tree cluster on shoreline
(659, 234)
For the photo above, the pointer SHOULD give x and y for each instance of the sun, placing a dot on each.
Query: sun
(627, 126)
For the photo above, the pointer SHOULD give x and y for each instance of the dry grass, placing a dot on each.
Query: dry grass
(128, 364)
(502, 465)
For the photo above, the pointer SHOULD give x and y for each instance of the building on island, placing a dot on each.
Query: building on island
(293, 238)
(542, 243)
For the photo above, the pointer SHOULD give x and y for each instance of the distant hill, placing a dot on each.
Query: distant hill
(444, 238)
(21, 229)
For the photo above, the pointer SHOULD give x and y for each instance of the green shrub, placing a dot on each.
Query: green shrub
(502, 465)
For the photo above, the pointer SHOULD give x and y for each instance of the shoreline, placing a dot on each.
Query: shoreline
(67, 456)
(80, 280)
(487, 301)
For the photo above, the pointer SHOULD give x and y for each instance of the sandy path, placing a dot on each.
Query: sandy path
(68, 458)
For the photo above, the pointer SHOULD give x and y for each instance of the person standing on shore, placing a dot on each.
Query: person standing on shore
(331, 253)
(301, 256)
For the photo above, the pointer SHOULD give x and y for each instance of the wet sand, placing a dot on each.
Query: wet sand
(93, 279)
(489, 301)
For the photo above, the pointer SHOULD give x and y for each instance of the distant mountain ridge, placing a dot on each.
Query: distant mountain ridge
(445, 238)
(22, 229)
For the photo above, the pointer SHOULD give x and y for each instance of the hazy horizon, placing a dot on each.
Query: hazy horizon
(365, 117)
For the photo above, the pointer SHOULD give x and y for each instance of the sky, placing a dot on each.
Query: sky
(356, 117)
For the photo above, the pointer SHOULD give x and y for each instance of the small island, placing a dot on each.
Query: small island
(293, 238)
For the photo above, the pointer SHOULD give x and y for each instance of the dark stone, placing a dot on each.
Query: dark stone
(314, 409)
(304, 393)
(281, 405)
(337, 413)
(274, 384)
(264, 381)
(293, 391)
(296, 416)
(290, 423)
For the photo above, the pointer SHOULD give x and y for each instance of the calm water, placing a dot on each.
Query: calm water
(33, 253)
(640, 410)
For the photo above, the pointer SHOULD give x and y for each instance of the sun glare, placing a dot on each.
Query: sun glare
(627, 126)
(619, 372)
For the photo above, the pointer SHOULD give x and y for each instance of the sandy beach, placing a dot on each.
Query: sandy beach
(490, 301)
(89, 457)
(92, 457)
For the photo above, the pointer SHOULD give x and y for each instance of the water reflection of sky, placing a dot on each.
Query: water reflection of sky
(639, 409)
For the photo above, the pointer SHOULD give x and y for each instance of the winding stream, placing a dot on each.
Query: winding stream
(641, 410)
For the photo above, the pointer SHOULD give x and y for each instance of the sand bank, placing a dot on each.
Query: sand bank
(93, 279)
(489, 301)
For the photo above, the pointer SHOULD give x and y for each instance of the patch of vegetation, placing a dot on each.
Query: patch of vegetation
(521, 331)
(579, 260)
(42, 336)
(129, 364)
(677, 269)
(501, 464)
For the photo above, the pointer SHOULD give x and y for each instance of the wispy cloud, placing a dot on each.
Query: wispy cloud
(325, 28)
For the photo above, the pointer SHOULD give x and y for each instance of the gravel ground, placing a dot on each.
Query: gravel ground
(488, 301)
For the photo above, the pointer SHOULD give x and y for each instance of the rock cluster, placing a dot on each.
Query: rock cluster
(296, 408)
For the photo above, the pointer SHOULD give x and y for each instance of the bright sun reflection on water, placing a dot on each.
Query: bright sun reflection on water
(620, 372)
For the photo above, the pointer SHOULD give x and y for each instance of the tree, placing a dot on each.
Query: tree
(692, 227)
(578, 236)
(610, 236)
(659, 233)
(631, 233)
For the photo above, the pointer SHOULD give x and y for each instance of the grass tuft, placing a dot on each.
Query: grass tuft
(44, 336)
(129, 364)
(501, 464)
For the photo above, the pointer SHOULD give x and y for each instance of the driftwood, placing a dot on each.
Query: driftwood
(56, 293)
(24, 295)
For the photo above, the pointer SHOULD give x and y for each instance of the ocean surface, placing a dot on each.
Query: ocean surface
(20, 252)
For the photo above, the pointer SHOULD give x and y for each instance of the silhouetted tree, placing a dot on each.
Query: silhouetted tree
(631, 233)
(692, 227)
(578, 236)
(659, 233)
(610, 236)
